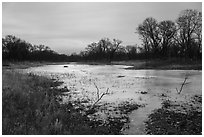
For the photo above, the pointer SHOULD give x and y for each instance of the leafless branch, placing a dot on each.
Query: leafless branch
(97, 90)
(184, 83)
(99, 97)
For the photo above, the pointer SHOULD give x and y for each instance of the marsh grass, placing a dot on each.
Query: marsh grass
(168, 64)
(30, 106)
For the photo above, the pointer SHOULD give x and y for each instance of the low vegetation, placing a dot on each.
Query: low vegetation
(177, 119)
(169, 64)
(31, 105)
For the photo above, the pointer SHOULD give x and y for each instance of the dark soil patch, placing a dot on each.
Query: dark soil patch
(171, 120)
(116, 116)
(127, 107)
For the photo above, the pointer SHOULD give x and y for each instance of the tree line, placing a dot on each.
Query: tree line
(15, 49)
(182, 38)
(165, 39)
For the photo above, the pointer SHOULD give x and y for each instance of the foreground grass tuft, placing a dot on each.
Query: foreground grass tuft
(30, 106)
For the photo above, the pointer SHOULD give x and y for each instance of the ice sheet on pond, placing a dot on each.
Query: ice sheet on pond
(122, 83)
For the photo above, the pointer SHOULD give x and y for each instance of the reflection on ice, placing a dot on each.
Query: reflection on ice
(122, 83)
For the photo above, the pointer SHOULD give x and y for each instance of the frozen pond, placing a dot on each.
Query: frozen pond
(124, 85)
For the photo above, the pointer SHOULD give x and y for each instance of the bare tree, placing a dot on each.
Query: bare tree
(149, 32)
(189, 29)
(167, 29)
(113, 48)
(91, 48)
(104, 49)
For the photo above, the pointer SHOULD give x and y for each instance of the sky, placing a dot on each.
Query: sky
(69, 27)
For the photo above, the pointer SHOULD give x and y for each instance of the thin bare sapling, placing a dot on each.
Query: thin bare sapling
(184, 83)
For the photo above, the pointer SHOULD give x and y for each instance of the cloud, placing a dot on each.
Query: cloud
(72, 26)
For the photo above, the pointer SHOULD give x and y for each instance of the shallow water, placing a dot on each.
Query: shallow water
(124, 85)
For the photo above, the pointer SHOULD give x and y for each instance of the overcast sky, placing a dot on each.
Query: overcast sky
(70, 27)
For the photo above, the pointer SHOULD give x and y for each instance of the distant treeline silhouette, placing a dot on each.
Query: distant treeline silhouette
(165, 39)
(16, 49)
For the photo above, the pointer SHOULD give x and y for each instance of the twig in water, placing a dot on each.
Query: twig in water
(184, 82)
(97, 90)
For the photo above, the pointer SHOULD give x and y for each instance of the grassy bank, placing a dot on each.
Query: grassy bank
(170, 64)
(177, 118)
(32, 105)
(159, 64)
